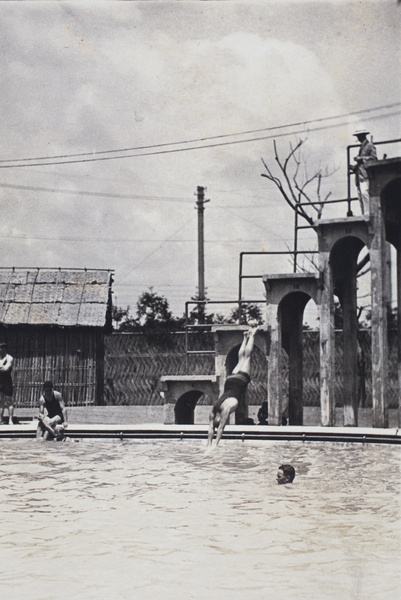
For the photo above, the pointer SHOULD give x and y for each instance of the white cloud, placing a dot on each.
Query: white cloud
(97, 76)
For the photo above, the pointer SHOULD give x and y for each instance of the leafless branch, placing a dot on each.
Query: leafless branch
(293, 191)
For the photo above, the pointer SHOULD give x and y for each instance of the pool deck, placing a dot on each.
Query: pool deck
(233, 432)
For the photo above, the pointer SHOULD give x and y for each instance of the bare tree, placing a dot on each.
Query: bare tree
(293, 190)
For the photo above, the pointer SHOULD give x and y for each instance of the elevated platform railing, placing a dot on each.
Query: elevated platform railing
(237, 303)
(241, 277)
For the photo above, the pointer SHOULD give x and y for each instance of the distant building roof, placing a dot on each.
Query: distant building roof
(63, 297)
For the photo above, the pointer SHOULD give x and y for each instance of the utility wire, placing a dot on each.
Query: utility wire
(219, 144)
(95, 194)
(127, 240)
(191, 141)
(155, 250)
(124, 196)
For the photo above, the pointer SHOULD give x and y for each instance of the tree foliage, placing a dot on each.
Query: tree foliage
(250, 314)
(152, 314)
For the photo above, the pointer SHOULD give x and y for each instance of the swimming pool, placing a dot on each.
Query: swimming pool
(105, 519)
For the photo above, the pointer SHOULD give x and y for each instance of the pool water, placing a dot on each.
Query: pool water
(105, 519)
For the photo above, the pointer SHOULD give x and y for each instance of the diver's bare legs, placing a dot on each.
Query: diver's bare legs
(219, 420)
(228, 407)
(245, 351)
(214, 421)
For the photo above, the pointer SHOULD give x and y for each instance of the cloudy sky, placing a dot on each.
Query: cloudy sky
(112, 113)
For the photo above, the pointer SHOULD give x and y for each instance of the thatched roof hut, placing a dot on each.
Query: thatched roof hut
(54, 321)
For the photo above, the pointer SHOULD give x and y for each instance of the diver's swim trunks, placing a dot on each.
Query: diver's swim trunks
(234, 387)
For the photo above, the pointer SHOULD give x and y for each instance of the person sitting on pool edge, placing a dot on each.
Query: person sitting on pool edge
(52, 414)
(285, 474)
(234, 389)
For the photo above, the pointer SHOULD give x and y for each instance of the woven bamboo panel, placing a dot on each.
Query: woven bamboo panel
(65, 356)
(134, 364)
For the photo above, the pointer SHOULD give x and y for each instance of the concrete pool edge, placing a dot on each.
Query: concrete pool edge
(232, 432)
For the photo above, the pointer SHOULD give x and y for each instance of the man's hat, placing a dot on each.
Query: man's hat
(361, 132)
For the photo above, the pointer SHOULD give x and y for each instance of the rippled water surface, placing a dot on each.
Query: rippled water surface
(103, 519)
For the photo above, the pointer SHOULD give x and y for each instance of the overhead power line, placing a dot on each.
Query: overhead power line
(95, 194)
(127, 240)
(26, 162)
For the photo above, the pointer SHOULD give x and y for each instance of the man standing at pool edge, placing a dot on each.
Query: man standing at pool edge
(234, 389)
(6, 384)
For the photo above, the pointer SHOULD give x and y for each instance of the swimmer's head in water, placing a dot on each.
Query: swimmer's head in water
(285, 474)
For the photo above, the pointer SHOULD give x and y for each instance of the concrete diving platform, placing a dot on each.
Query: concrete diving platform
(181, 394)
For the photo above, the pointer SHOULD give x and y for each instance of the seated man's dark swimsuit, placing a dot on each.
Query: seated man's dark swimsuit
(234, 387)
(53, 408)
(6, 382)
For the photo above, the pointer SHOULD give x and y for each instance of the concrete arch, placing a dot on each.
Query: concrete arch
(181, 394)
(232, 357)
(340, 243)
(290, 314)
(330, 233)
(344, 269)
(343, 262)
(287, 297)
(184, 409)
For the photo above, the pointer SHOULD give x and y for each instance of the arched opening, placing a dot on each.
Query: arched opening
(291, 312)
(184, 409)
(346, 263)
(232, 359)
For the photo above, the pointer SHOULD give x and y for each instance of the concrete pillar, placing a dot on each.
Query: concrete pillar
(340, 241)
(327, 356)
(385, 192)
(274, 385)
(399, 328)
(168, 407)
(385, 201)
(286, 298)
(379, 317)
